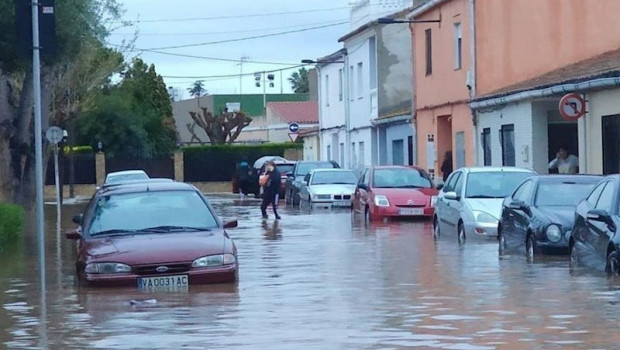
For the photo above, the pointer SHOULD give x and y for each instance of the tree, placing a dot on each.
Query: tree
(221, 128)
(80, 25)
(197, 89)
(299, 81)
(133, 117)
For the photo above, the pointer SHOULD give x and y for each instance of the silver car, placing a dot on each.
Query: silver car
(334, 187)
(470, 203)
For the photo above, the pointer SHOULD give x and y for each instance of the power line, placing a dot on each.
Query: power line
(248, 38)
(230, 32)
(212, 58)
(241, 16)
(230, 75)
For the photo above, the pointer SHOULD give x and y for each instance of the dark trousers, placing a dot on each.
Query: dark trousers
(270, 198)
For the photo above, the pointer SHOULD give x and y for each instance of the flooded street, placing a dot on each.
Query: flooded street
(318, 280)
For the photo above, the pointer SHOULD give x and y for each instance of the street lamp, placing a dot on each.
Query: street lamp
(387, 20)
(345, 83)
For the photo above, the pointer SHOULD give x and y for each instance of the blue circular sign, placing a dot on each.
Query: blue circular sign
(293, 127)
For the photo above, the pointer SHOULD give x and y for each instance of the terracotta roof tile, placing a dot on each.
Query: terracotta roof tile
(305, 112)
(601, 66)
(310, 131)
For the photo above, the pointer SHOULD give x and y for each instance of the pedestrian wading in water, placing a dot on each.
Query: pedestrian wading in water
(270, 181)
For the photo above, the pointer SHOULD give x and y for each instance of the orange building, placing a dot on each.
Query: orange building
(443, 82)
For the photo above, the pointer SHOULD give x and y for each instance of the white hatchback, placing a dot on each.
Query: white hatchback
(470, 203)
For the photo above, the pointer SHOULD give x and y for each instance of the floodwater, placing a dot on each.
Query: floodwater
(318, 280)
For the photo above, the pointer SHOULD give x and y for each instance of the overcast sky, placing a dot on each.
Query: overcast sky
(161, 24)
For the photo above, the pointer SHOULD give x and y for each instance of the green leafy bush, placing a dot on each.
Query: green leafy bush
(11, 223)
(265, 148)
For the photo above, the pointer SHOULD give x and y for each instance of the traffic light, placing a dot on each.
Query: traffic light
(47, 27)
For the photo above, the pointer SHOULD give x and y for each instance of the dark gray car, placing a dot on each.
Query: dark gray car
(295, 178)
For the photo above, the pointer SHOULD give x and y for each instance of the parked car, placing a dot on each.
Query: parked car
(329, 186)
(594, 239)
(394, 191)
(470, 203)
(538, 217)
(295, 178)
(152, 235)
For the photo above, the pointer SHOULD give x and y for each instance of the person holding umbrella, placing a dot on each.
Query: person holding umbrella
(270, 182)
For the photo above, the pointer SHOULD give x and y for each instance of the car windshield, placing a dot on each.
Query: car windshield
(304, 168)
(401, 178)
(285, 168)
(496, 184)
(334, 177)
(126, 177)
(562, 193)
(168, 211)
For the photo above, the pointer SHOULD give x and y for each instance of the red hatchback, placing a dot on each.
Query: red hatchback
(395, 191)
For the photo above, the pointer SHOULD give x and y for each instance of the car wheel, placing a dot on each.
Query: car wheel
(461, 233)
(436, 230)
(530, 246)
(613, 264)
(502, 241)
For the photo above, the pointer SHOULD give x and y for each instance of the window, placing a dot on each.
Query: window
(334, 177)
(327, 90)
(558, 194)
(429, 52)
(398, 152)
(372, 47)
(410, 149)
(458, 46)
(351, 95)
(507, 134)
(524, 192)
(361, 154)
(353, 155)
(606, 201)
(494, 184)
(340, 82)
(451, 182)
(458, 186)
(360, 81)
(329, 152)
(401, 178)
(595, 195)
(486, 145)
(342, 153)
(460, 149)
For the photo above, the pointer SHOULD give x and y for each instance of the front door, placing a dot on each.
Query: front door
(611, 144)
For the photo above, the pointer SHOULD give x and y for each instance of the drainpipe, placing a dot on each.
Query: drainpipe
(347, 113)
(583, 156)
(414, 112)
(472, 86)
(318, 83)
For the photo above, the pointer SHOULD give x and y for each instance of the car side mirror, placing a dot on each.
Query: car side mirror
(601, 216)
(77, 219)
(231, 224)
(74, 235)
(451, 196)
(516, 204)
(439, 187)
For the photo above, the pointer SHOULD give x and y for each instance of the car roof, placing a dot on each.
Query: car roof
(324, 170)
(484, 169)
(127, 172)
(575, 178)
(375, 167)
(152, 185)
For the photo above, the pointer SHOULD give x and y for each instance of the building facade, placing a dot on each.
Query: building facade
(443, 81)
(517, 94)
(280, 115)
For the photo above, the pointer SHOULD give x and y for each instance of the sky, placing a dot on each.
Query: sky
(159, 25)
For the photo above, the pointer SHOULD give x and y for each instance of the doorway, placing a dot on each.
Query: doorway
(562, 135)
(444, 138)
(611, 144)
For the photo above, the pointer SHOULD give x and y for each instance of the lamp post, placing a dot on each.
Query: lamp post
(347, 114)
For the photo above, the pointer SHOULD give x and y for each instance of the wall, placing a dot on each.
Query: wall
(398, 132)
(540, 136)
(360, 104)
(326, 139)
(331, 108)
(358, 136)
(601, 104)
(363, 11)
(521, 116)
(566, 31)
(446, 84)
(312, 149)
(394, 74)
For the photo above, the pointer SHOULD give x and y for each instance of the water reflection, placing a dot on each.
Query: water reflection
(318, 280)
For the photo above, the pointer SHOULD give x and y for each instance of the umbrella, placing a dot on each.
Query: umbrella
(259, 163)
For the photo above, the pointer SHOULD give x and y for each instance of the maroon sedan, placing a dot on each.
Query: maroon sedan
(153, 235)
(395, 191)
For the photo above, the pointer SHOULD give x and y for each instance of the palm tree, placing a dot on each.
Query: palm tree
(299, 81)
(197, 89)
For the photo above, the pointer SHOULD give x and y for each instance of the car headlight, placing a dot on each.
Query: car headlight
(433, 201)
(107, 268)
(554, 234)
(483, 217)
(214, 260)
(381, 201)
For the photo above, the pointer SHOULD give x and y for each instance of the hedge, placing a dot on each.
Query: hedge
(11, 223)
(266, 148)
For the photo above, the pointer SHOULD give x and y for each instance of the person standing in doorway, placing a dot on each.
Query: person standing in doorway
(446, 166)
(271, 188)
(564, 162)
(243, 177)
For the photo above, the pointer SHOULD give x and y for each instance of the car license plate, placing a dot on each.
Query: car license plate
(411, 211)
(164, 282)
(342, 203)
